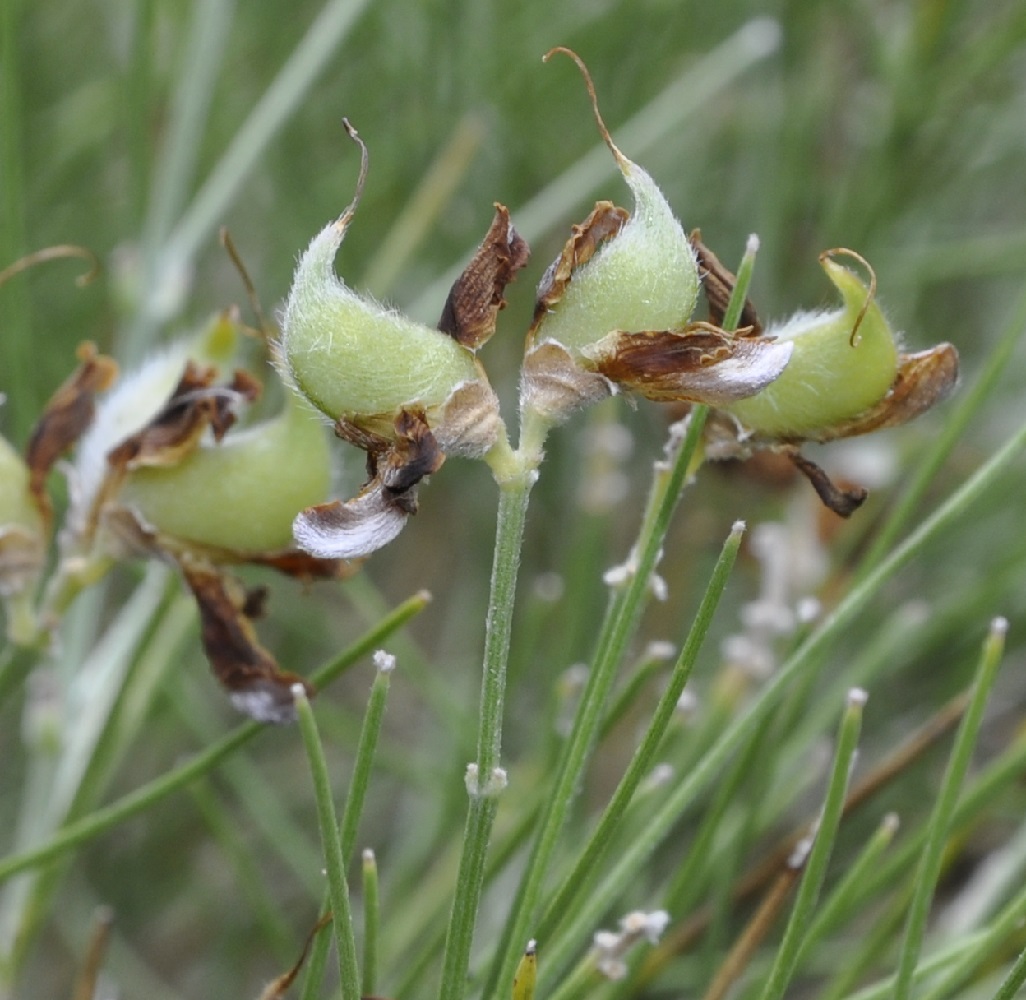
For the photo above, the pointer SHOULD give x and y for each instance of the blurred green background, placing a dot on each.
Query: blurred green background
(138, 128)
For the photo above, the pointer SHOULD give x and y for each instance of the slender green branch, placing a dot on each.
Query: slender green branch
(334, 862)
(485, 778)
(371, 924)
(369, 733)
(1014, 980)
(786, 960)
(808, 655)
(644, 756)
(947, 798)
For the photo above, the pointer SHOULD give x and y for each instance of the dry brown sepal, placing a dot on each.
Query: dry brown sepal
(604, 223)
(196, 407)
(700, 363)
(476, 296)
(65, 418)
(352, 529)
(255, 683)
(718, 284)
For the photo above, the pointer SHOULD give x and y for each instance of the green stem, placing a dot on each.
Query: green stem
(371, 923)
(369, 733)
(644, 756)
(947, 798)
(617, 628)
(334, 863)
(486, 779)
(786, 960)
(1014, 980)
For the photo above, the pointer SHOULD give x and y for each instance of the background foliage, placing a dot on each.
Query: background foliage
(137, 128)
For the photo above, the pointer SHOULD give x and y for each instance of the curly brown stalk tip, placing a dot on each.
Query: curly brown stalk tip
(59, 252)
(870, 295)
(345, 218)
(622, 160)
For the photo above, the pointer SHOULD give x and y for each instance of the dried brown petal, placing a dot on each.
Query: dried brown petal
(255, 683)
(700, 363)
(194, 405)
(554, 385)
(476, 296)
(66, 417)
(605, 221)
(354, 528)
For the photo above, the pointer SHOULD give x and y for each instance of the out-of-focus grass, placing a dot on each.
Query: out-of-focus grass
(894, 129)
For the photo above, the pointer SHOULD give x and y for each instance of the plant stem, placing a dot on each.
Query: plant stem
(947, 798)
(618, 626)
(371, 922)
(815, 869)
(485, 780)
(334, 863)
(644, 756)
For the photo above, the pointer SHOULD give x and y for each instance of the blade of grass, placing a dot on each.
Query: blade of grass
(786, 960)
(947, 798)
(371, 924)
(590, 857)
(630, 862)
(334, 861)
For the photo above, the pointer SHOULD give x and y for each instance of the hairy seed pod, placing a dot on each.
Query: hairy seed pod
(843, 362)
(353, 358)
(643, 274)
(242, 493)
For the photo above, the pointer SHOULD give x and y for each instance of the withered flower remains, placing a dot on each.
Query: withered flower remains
(157, 473)
(405, 393)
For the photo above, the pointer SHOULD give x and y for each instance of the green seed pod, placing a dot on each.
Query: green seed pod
(642, 276)
(134, 401)
(843, 363)
(352, 357)
(240, 494)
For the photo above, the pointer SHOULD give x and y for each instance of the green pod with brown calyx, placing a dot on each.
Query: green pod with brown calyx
(354, 359)
(639, 271)
(240, 494)
(842, 364)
